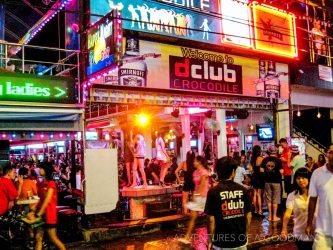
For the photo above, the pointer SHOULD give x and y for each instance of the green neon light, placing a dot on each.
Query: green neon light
(32, 88)
(29, 89)
(61, 92)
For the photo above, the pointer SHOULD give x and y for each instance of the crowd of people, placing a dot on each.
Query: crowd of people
(25, 179)
(229, 191)
(243, 185)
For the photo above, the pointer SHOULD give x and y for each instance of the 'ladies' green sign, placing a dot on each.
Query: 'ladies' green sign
(32, 88)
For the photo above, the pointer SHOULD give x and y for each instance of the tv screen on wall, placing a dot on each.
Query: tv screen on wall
(265, 133)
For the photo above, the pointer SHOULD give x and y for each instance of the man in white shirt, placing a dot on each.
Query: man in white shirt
(321, 186)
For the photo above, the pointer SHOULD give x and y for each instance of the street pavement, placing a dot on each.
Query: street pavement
(167, 239)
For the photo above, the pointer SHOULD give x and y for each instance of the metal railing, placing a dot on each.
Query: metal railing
(313, 142)
(67, 60)
(40, 60)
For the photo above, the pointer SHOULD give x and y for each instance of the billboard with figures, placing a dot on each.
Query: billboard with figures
(185, 19)
(162, 66)
(227, 22)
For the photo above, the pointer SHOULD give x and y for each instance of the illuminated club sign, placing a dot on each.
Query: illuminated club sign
(101, 44)
(217, 22)
(30, 88)
(274, 31)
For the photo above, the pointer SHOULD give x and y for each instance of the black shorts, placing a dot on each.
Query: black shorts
(49, 226)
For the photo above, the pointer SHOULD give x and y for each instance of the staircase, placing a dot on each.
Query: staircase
(312, 145)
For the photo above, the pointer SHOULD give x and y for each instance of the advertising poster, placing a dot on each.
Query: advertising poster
(101, 44)
(274, 31)
(163, 66)
(198, 20)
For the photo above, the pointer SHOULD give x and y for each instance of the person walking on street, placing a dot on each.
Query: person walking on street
(47, 207)
(201, 187)
(228, 207)
(187, 168)
(321, 187)
(298, 203)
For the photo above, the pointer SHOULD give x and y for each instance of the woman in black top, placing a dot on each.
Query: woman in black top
(257, 179)
(188, 168)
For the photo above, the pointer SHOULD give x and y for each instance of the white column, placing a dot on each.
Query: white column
(201, 140)
(222, 138)
(147, 135)
(186, 129)
(283, 121)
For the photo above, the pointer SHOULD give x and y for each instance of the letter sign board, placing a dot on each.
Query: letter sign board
(20, 87)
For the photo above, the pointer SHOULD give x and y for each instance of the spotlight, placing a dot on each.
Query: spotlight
(175, 113)
(318, 114)
(209, 113)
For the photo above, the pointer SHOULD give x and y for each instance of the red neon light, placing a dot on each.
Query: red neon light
(270, 35)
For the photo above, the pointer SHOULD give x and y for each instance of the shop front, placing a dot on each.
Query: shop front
(41, 119)
(211, 103)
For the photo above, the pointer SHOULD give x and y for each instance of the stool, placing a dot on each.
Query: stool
(177, 202)
(68, 223)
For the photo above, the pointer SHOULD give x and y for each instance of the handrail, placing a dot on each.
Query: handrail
(68, 59)
(313, 142)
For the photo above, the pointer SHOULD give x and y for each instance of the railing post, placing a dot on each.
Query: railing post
(6, 55)
(23, 58)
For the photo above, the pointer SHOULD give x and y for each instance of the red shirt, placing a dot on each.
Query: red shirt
(286, 170)
(8, 193)
(51, 209)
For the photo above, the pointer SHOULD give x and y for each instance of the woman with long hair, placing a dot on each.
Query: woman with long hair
(47, 207)
(187, 168)
(321, 160)
(257, 179)
(297, 203)
(139, 145)
(201, 187)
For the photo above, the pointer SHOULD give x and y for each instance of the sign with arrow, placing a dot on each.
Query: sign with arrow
(20, 87)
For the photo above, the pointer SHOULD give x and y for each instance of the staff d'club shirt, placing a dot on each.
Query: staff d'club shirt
(228, 202)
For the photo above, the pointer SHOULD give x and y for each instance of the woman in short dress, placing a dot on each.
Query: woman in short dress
(258, 182)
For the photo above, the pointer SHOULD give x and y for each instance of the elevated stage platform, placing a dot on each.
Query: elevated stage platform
(149, 202)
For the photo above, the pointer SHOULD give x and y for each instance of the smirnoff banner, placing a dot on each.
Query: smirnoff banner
(162, 66)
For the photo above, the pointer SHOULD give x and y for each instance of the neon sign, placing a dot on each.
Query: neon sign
(101, 44)
(274, 31)
(30, 88)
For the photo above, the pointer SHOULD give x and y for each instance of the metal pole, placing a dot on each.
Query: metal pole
(2, 35)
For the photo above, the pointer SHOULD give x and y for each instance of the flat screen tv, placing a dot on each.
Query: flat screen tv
(265, 133)
(194, 143)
